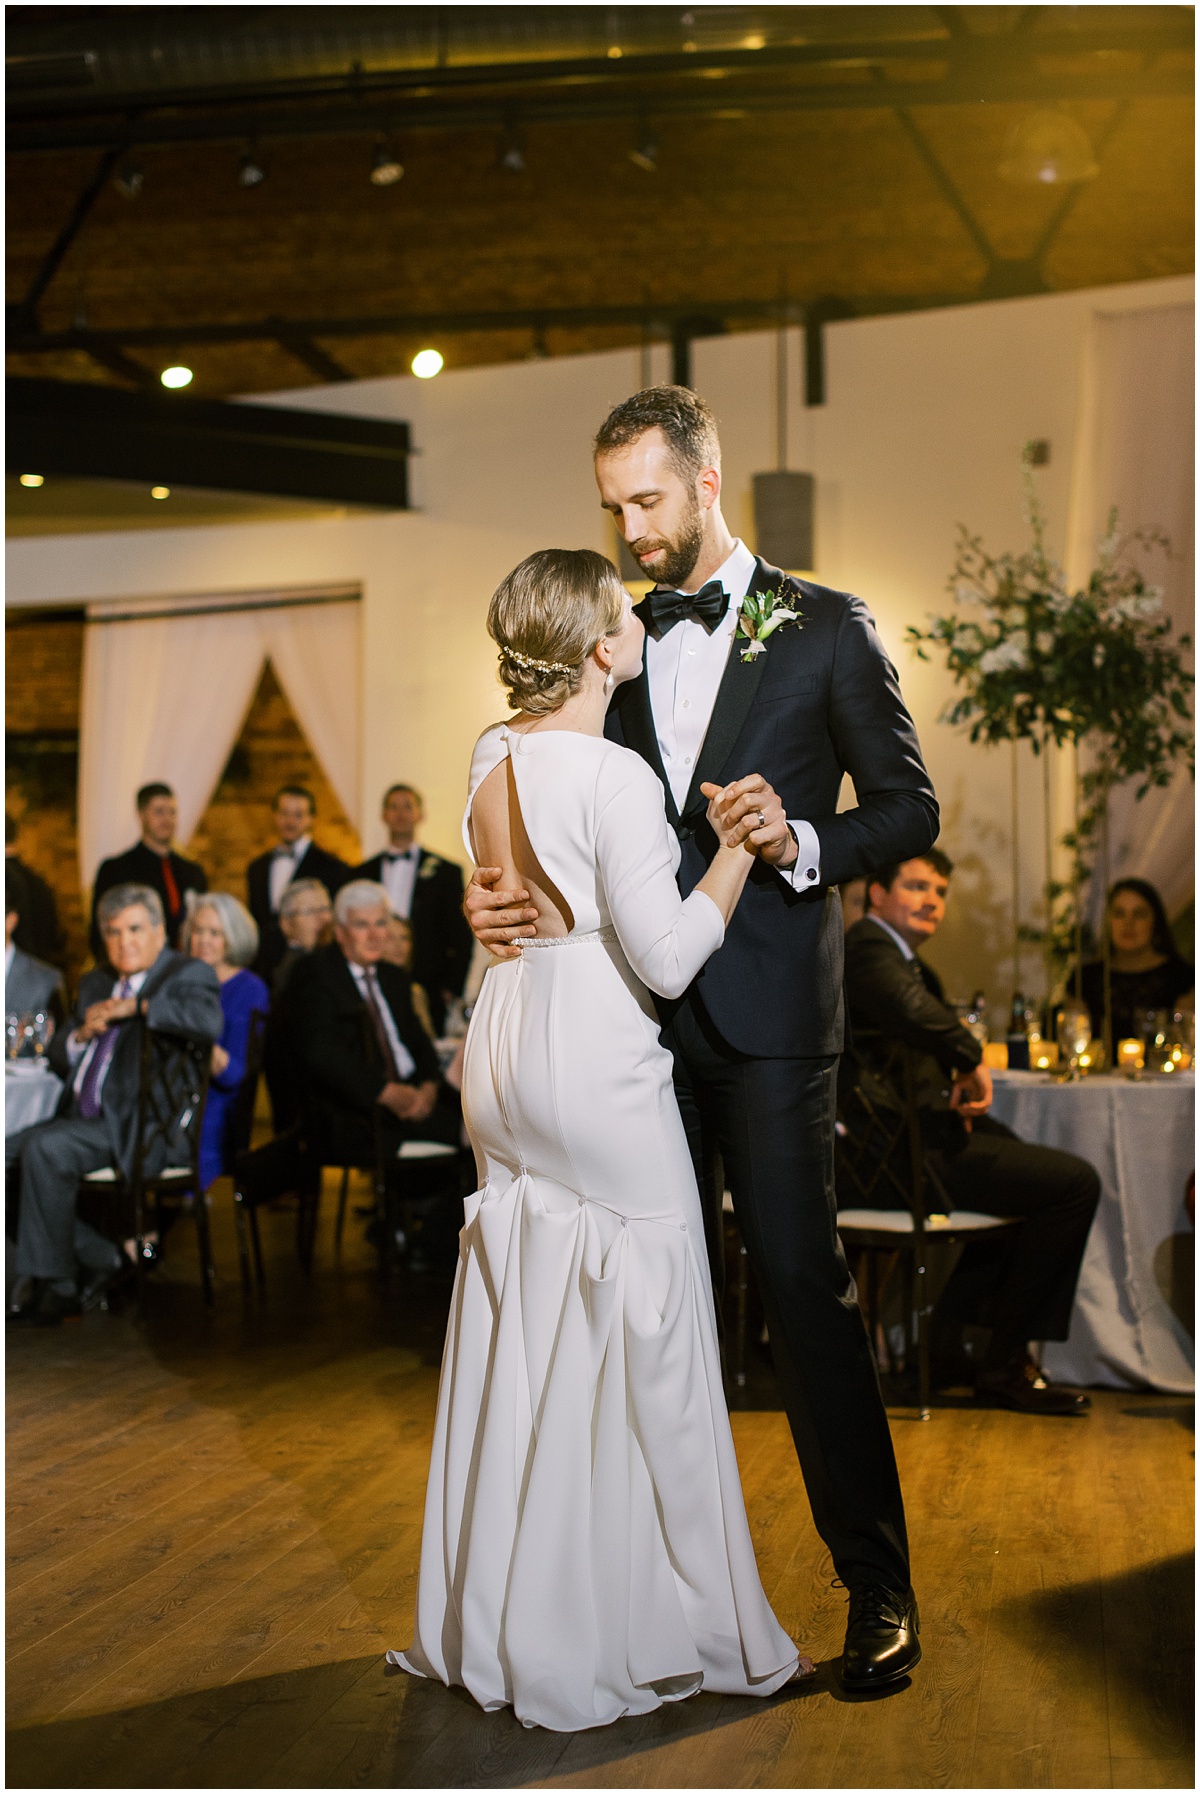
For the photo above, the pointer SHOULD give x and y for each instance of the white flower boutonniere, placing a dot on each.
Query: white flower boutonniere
(430, 866)
(761, 615)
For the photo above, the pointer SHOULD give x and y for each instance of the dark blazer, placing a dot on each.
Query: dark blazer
(38, 931)
(142, 866)
(182, 996)
(33, 985)
(442, 939)
(333, 874)
(342, 1065)
(823, 700)
(902, 999)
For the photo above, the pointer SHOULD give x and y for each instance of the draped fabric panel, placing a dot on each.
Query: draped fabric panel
(1135, 450)
(165, 695)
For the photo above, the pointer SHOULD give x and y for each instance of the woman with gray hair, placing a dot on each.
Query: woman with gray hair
(220, 930)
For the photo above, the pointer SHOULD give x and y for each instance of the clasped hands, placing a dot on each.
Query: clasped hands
(498, 919)
(99, 1016)
(409, 1102)
(971, 1094)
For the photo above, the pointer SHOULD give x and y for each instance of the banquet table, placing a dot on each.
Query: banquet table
(31, 1093)
(1131, 1327)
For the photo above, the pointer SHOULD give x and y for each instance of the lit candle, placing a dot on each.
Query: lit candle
(1131, 1055)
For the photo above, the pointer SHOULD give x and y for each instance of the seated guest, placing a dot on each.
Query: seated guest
(98, 1052)
(38, 930)
(399, 952)
(30, 986)
(854, 901)
(428, 892)
(219, 931)
(305, 921)
(368, 1062)
(294, 856)
(1146, 969)
(1022, 1286)
(152, 862)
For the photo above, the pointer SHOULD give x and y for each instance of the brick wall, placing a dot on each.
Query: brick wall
(44, 665)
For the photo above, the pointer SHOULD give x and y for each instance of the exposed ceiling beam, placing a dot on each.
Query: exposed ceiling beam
(946, 186)
(1036, 67)
(52, 260)
(317, 360)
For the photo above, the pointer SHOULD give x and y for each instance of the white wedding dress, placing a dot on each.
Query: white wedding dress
(585, 1551)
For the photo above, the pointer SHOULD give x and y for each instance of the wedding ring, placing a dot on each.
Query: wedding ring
(762, 821)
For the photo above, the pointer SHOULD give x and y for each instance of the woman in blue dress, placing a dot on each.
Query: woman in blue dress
(221, 931)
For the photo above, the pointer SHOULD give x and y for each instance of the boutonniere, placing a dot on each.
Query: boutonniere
(429, 866)
(762, 613)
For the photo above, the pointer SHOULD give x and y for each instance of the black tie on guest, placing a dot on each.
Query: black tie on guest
(707, 606)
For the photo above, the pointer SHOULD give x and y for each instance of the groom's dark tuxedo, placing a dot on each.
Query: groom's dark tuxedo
(756, 1038)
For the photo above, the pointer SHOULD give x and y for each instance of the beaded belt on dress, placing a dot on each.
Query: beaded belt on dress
(603, 935)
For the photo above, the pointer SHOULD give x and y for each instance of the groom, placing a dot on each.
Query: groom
(756, 1039)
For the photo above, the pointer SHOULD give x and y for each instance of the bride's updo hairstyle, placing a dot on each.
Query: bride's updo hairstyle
(546, 618)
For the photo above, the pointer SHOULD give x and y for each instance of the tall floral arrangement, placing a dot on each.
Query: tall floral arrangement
(1097, 668)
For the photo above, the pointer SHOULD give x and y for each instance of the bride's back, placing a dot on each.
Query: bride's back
(499, 838)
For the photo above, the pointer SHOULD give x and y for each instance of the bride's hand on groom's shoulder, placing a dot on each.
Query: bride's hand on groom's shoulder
(497, 918)
(749, 813)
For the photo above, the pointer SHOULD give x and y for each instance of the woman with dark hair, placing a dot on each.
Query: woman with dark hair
(1147, 970)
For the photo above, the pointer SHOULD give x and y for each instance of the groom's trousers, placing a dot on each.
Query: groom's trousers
(769, 1123)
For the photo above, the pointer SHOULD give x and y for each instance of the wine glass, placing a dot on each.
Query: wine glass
(25, 1050)
(12, 1036)
(43, 1028)
(1074, 1034)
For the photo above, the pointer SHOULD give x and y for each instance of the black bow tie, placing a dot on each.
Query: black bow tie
(706, 606)
(391, 858)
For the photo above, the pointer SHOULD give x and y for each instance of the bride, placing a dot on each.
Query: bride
(585, 1551)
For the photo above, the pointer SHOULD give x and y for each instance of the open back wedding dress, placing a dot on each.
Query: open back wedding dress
(585, 1551)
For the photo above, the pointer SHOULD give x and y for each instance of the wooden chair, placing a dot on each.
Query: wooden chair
(172, 1092)
(890, 1199)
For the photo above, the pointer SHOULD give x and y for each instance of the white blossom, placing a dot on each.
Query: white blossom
(966, 594)
(1098, 655)
(1006, 657)
(1140, 604)
(1044, 642)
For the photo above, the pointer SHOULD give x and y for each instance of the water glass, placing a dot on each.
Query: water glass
(1074, 1034)
(43, 1028)
(12, 1036)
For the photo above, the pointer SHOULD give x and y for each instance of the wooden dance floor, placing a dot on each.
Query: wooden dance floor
(212, 1539)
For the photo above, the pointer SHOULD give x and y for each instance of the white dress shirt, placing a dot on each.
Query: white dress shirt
(8, 959)
(684, 672)
(284, 861)
(888, 929)
(405, 1064)
(80, 1055)
(398, 876)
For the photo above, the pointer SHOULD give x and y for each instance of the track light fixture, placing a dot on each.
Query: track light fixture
(1048, 148)
(175, 377)
(512, 153)
(426, 363)
(251, 169)
(129, 180)
(386, 166)
(644, 153)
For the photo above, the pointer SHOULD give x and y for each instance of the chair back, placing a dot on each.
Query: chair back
(172, 1092)
(879, 1157)
(241, 1122)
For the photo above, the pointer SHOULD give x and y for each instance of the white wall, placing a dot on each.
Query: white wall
(923, 428)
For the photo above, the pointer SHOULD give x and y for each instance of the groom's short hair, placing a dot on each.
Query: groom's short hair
(685, 420)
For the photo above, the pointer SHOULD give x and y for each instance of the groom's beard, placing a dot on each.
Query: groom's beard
(682, 550)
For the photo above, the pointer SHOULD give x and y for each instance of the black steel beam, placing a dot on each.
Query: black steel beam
(170, 439)
(52, 260)
(311, 355)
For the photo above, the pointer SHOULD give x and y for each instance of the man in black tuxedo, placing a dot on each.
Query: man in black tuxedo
(427, 891)
(366, 1059)
(97, 1052)
(757, 1037)
(295, 855)
(1023, 1286)
(152, 862)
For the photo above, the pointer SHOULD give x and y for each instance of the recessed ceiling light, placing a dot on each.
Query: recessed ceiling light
(426, 363)
(160, 492)
(175, 377)
(386, 167)
(251, 170)
(33, 479)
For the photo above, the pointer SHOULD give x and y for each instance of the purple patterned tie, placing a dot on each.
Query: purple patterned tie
(89, 1091)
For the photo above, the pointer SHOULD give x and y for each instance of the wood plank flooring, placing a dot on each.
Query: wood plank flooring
(213, 1523)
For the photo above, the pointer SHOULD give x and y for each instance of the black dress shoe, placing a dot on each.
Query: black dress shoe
(45, 1309)
(108, 1289)
(1023, 1387)
(882, 1646)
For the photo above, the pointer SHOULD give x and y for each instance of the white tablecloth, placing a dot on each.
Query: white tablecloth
(1125, 1331)
(31, 1093)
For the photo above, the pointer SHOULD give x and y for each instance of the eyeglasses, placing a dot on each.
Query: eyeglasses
(296, 915)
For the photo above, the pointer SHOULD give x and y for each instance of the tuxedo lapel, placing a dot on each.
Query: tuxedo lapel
(637, 724)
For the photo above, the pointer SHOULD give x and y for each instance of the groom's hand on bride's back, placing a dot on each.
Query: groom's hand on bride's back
(497, 918)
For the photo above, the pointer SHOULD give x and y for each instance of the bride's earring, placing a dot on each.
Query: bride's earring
(608, 683)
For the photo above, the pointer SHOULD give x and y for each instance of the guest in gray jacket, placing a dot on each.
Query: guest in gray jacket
(30, 985)
(96, 1125)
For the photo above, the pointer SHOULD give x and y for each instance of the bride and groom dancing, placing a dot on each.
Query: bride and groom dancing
(659, 847)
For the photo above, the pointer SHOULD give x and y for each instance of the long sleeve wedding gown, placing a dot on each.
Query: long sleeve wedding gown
(585, 1551)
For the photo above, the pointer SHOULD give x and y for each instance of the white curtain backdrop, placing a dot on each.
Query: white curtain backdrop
(1135, 450)
(167, 688)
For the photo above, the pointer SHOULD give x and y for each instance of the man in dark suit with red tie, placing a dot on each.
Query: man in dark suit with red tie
(152, 862)
(427, 891)
(295, 855)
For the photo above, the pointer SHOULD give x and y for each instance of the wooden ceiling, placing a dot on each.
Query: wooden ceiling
(839, 157)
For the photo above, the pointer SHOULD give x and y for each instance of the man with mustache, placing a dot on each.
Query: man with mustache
(756, 1038)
